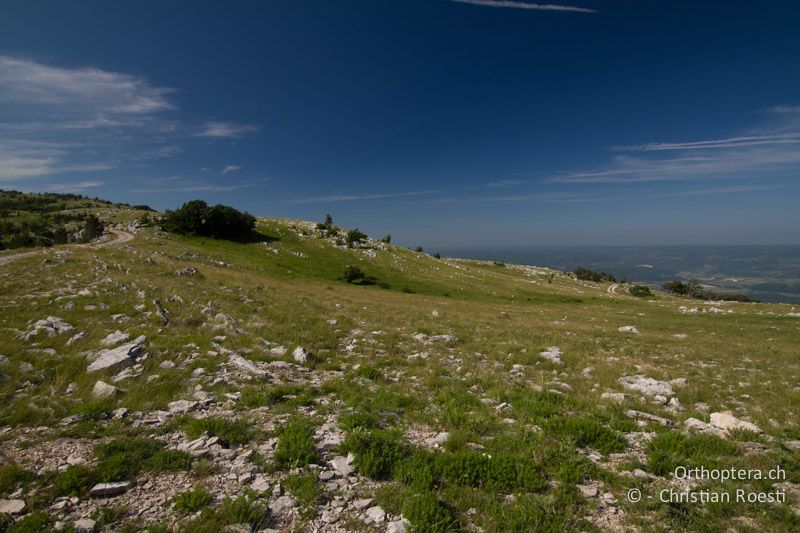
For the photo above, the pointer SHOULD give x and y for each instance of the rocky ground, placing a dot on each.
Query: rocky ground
(190, 385)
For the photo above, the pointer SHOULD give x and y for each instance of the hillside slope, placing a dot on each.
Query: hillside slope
(225, 383)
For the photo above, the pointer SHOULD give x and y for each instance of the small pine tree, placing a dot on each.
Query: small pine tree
(387, 239)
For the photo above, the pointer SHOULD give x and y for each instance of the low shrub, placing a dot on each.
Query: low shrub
(670, 449)
(11, 476)
(377, 451)
(192, 501)
(428, 513)
(584, 432)
(306, 489)
(229, 430)
(76, 480)
(640, 291)
(295, 445)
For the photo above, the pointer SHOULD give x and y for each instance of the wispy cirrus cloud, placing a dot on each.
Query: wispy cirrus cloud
(356, 197)
(224, 130)
(769, 150)
(230, 168)
(183, 184)
(526, 6)
(79, 91)
(719, 190)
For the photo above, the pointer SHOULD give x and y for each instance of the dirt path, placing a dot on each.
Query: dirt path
(120, 237)
(612, 289)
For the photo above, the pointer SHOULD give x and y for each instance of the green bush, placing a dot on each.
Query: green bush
(253, 397)
(295, 445)
(169, 460)
(245, 509)
(377, 451)
(354, 274)
(229, 431)
(108, 515)
(584, 432)
(640, 291)
(76, 480)
(351, 421)
(671, 449)
(191, 501)
(11, 476)
(37, 522)
(355, 236)
(428, 513)
(306, 489)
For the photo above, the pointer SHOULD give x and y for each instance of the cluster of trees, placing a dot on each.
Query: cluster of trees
(44, 230)
(693, 289)
(590, 275)
(219, 222)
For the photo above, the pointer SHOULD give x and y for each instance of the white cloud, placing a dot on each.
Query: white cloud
(74, 187)
(230, 168)
(771, 149)
(224, 130)
(100, 93)
(59, 120)
(356, 197)
(525, 5)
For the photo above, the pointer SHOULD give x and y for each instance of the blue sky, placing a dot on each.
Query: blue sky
(443, 122)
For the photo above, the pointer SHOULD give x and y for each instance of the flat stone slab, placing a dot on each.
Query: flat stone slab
(116, 358)
(12, 507)
(110, 489)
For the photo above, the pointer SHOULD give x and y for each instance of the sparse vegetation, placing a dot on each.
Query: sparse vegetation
(192, 501)
(454, 418)
(295, 445)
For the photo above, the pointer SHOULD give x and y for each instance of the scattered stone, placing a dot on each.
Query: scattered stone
(398, 526)
(362, 504)
(615, 397)
(77, 337)
(244, 364)
(639, 415)
(376, 515)
(181, 407)
(679, 383)
(117, 358)
(110, 489)
(282, 504)
(12, 507)
(588, 491)
(103, 390)
(628, 329)
(552, 354)
(341, 466)
(647, 386)
(85, 525)
(301, 355)
(727, 421)
(51, 326)
(115, 338)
